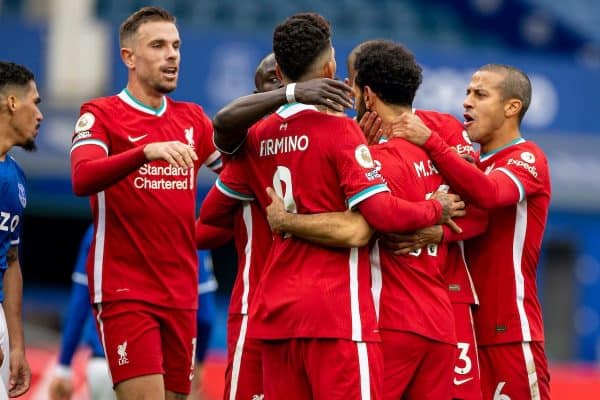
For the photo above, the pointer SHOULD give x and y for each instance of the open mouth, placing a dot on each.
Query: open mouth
(468, 120)
(170, 72)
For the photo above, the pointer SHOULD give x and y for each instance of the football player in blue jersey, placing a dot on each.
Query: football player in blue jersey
(20, 119)
(79, 325)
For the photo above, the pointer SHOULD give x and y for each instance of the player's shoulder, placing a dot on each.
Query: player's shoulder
(101, 103)
(184, 105)
(16, 166)
(308, 114)
(528, 151)
(438, 119)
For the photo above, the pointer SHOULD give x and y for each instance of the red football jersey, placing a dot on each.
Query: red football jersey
(454, 268)
(316, 162)
(253, 239)
(414, 294)
(504, 260)
(144, 239)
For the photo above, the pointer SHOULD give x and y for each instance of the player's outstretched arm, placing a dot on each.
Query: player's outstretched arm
(232, 122)
(485, 191)
(387, 213)
(338, 229)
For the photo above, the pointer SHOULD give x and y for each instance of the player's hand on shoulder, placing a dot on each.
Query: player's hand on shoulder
(410, 127)
(327, 92)
(452, 206)
(373, 128)
(176, 153)
(60, 389)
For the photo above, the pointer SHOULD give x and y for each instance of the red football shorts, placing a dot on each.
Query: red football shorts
(243, 374)
(416, 367)
(322, 369)
(518, 371)
(467, 382)
(142, 339)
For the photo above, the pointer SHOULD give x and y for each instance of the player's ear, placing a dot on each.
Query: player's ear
(512, 108)
(128, 57)
(368, 97)
(278, 73)
(329, 69)
(10, 102)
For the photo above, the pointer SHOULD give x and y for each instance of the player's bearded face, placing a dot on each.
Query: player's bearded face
(27, 118)
(359, 103)
(157, 55)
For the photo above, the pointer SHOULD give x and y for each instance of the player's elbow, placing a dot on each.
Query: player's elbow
(361, 237)
(80, 188)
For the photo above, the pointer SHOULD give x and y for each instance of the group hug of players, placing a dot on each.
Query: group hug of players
(392, 298)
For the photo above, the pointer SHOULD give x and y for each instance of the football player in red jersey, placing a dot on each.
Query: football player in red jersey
(313, 301)
(512, 181)
(466, 382)
(137, 154)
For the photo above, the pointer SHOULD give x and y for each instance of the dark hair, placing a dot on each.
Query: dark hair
(145, 14)
(390, 70)
(299, 41)
(516, 84)
(12, 74)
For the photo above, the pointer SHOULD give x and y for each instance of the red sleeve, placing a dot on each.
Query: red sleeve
(218, 209)
(211, 237)
(207, 151)
(473, 224)
(387, 214)
(486, 191)
(92, 170)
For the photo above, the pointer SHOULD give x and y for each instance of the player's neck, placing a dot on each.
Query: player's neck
(388, 112)
(146, 96)
(5, 140)
(500, 139)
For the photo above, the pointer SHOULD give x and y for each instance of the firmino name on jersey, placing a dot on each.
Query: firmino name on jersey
(285, 144)
(162, 177)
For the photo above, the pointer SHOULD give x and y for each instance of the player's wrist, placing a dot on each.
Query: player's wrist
(63, 371)
(290, 92)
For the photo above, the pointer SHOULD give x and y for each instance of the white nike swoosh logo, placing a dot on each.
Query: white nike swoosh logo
(135, 139)
(459, 382)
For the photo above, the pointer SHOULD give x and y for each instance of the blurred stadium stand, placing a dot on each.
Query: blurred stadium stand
(557, 43)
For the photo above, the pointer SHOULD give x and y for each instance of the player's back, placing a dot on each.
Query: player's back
(414, 295)
(317, 163)
(509, 309)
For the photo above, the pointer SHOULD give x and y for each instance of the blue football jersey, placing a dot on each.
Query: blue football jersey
(13, 199)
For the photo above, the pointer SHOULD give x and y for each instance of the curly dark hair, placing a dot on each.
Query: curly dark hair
(299, 41)
(145, 14)
(390, 70)
(14, 74)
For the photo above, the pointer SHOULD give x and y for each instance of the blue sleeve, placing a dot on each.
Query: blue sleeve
(79, 304)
